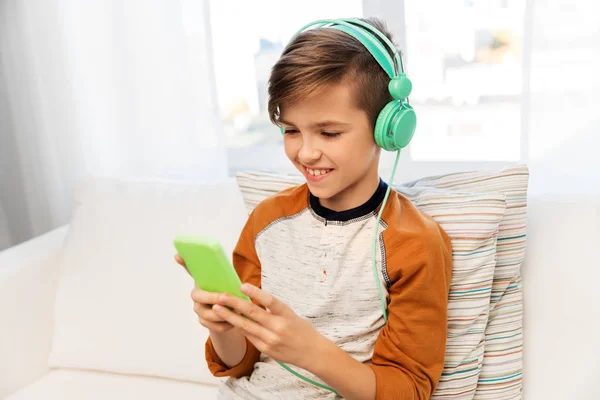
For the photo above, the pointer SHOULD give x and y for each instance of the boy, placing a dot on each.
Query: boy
(305, 253)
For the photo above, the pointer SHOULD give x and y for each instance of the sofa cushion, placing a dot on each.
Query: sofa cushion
(123, 304)
(76, 385)
(471, 220)
(560, 275)
(502, 371)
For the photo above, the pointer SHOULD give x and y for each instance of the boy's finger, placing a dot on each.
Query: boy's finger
(179, 259)
(246, 308)
(203, 297)
(217, 326)
(245, 324)
(213, 317)
(182, 263)
(273, 304)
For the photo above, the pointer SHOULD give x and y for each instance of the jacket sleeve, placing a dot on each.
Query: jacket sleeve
(409, 353)
(247, 265)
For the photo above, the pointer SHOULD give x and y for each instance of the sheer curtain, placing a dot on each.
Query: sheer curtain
(103, 88)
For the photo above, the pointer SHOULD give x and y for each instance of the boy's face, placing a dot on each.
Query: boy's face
(331, 142)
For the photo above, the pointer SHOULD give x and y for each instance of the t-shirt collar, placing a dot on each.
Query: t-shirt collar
(368, 207)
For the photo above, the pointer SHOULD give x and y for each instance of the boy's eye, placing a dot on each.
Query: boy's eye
(330, 134)
(290, 131)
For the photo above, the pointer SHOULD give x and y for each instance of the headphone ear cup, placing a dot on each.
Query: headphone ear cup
(395, 126)
(405, 125)
(382, 125)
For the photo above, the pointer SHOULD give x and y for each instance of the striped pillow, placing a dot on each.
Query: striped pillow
(472, 222)
(502, 373)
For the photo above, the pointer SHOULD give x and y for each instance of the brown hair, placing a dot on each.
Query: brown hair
(320, 57)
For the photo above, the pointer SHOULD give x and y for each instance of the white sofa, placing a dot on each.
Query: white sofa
(99, 309)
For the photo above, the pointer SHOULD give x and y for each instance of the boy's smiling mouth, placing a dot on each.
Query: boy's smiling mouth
(316, 174)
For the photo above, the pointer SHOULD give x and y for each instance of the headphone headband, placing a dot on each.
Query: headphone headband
(365, 34)
(388, 42)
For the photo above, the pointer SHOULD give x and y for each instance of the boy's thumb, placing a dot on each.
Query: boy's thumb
(180, 261)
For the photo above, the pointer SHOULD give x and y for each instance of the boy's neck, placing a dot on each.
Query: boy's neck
(354, 195)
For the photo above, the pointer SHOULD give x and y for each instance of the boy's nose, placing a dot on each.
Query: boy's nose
(306, 155)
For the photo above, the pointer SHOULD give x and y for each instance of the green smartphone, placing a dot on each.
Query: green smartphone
(206, 261)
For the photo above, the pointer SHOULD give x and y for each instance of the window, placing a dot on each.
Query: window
(464, 60)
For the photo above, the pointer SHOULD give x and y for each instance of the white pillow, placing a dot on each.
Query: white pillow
(123, 304)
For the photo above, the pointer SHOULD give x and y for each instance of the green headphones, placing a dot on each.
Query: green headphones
(397, 121)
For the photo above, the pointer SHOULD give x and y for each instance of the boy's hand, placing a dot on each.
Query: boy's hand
(277, 331)
(203, 302)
